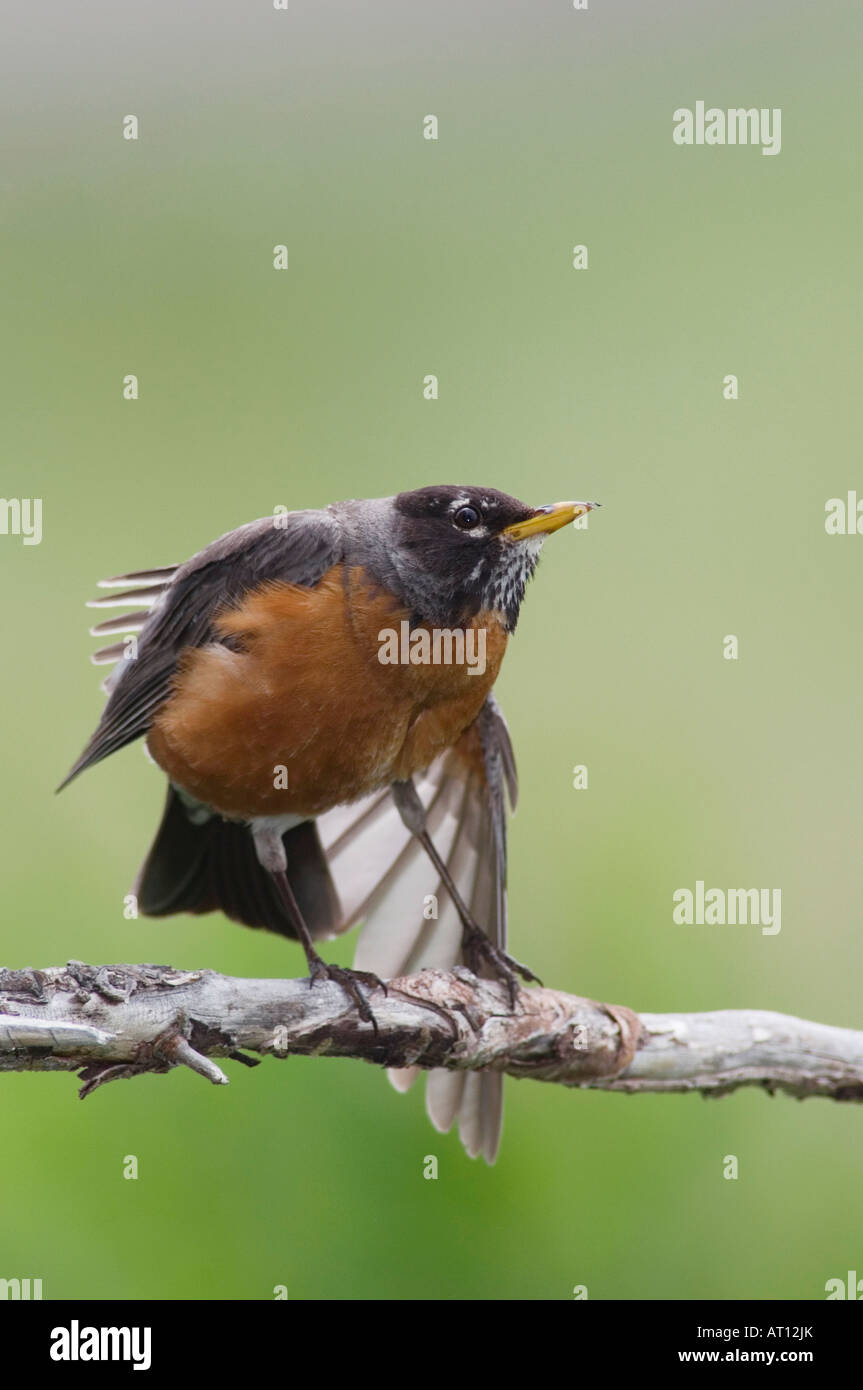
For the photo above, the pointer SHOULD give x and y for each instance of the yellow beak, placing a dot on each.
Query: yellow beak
(547, 519)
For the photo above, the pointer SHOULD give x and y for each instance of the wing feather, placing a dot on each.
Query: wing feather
(181, 603)
(383, 875)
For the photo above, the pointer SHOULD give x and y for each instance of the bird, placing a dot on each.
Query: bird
(317, 686)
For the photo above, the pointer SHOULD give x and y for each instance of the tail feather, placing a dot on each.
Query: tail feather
(203, 863)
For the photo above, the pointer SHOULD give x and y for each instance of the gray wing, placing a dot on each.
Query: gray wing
(385, 878)
(176, 606)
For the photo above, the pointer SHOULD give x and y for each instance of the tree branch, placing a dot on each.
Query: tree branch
(115, 1021)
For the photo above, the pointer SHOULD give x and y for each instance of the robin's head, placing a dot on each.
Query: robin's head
(455, 551)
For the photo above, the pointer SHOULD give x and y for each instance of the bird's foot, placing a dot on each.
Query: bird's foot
(479, 951)
(350, 981)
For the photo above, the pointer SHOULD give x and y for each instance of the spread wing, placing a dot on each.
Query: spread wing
(175, 608)
(384, 877)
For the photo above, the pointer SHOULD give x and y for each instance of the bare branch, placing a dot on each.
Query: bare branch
(116, 1021)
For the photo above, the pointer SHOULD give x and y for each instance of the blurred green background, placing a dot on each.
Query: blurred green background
(260, 388)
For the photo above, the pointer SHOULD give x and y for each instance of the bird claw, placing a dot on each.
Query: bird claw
(350, 981)
(479, 951)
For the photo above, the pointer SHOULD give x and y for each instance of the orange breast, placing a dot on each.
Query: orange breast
(300, 714)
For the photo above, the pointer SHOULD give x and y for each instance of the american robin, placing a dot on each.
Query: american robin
(317, 687)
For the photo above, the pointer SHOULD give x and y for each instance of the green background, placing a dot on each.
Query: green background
(260, 388)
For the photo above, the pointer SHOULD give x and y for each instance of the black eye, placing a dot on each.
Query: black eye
(466, 518)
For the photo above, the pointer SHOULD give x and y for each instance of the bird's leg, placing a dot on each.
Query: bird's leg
(272, 857)
(320, 969)
(477, 946)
